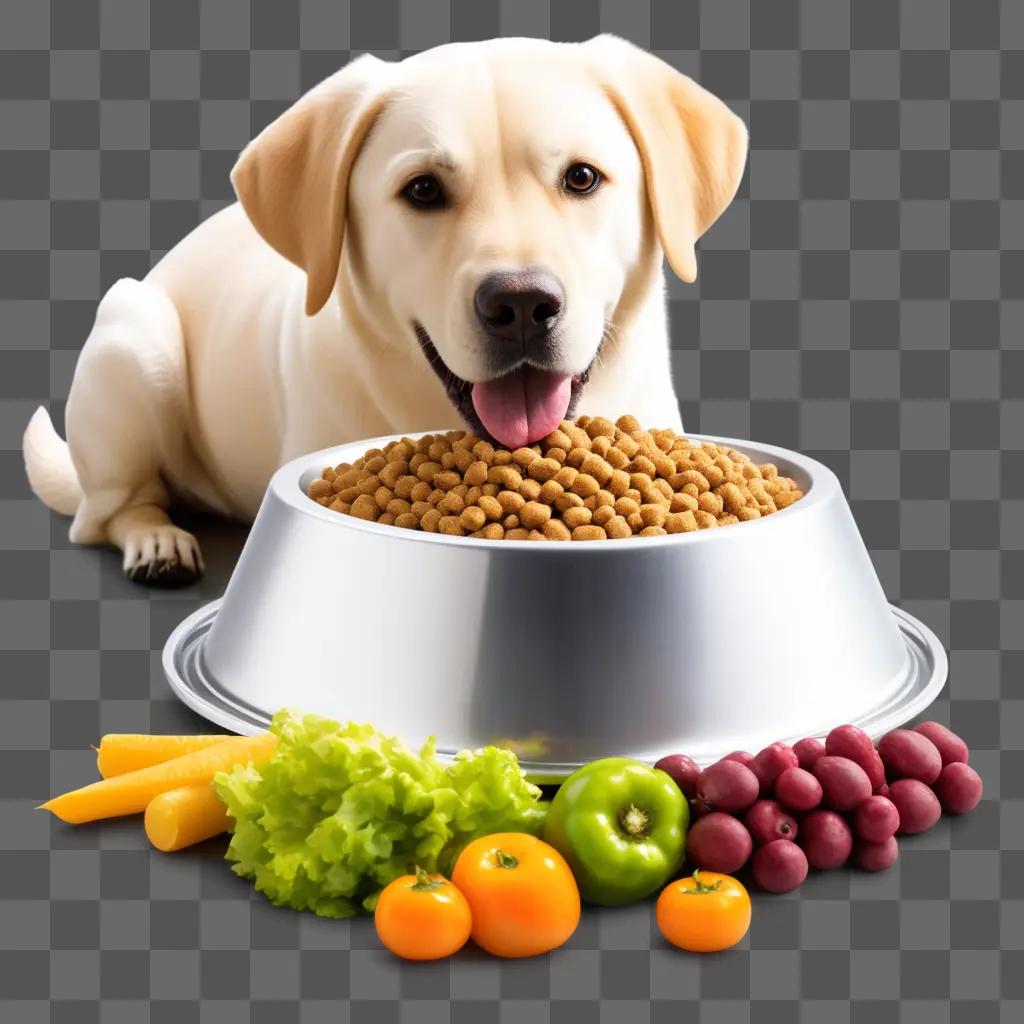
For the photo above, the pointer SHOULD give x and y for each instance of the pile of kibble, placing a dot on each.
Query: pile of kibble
(588, 480)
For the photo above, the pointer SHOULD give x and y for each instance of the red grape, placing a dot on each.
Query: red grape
(909, 755)
(742, 756)
(877, 856)
(767, 821)
(844, 783)
(682, 770)
(779, 866)
(798, 789)
(826, 839)
(718, 842)
(918, 806)
(876, 819)
(771, 762)
(855, 744)
(808, 751)
(727, 786)
(959, 788)
(951, 748)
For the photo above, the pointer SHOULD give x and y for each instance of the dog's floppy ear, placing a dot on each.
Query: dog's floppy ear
(692, 146)
(292, 179)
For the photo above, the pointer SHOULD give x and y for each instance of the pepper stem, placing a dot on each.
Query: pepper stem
(505, 860)
(634, 822)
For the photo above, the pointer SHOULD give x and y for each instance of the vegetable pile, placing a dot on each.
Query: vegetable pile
(341, 819)
(340, 811)
(816, 805)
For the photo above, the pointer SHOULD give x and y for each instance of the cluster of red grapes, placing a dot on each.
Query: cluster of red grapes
(814, 805)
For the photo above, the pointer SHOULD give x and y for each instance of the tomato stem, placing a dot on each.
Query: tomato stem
(700, 888)
(634, 822)
(424, 882)
(505, 860)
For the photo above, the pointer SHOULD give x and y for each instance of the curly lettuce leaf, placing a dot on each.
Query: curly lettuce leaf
(340, 811)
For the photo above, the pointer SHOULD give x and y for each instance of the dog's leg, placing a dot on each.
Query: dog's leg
(127, 421)
(155, 550)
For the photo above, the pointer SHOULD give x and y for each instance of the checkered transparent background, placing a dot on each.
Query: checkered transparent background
(863, 300)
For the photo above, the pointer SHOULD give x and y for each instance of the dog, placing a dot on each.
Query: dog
(472, 236)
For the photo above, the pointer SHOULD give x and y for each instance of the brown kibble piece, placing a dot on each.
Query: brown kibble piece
(555, 529)
(510, 501)
(557, 439)
(653, 515)
(566, 476)
(568, 500)
(543, 469)
(452, 504)
(578, 516)
(534, 514)
(472, 518)
(600, 427)
(617, 528)
(625, 506)
(710, 502)
(550, 491)
(680, 522)
(451, 526)
(683, 502)
(524, 456)
(593, 465)
(585, 485)
(491, 507)
(427, 470)
(507, 477)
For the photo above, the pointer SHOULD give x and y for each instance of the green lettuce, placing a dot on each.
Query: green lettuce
(340, 811)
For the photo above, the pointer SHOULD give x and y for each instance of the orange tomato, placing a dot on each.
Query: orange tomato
(422, 917)
(522, 894)
(704, 913)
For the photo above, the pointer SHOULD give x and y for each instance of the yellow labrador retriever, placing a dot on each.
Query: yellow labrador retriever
(471, 235)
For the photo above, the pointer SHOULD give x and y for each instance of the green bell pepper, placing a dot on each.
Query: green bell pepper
(621, 826)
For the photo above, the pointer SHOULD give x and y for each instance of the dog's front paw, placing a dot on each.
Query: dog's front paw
(163, 556)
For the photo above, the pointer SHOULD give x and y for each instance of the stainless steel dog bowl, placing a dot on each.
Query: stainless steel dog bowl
(699, 643)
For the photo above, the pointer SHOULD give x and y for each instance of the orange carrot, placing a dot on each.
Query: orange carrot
(182, 817)
(131, 792)
(119, 753)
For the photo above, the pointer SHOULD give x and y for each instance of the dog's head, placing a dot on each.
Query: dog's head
(495, 203)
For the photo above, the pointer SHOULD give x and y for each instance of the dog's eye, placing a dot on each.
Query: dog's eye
(581, 179)
(425, 192)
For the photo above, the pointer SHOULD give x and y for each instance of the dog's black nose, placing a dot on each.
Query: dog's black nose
(522, 305)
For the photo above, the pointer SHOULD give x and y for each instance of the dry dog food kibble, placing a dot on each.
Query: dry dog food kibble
(587, 480)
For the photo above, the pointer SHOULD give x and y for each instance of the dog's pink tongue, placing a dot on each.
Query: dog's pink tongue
(524, 406)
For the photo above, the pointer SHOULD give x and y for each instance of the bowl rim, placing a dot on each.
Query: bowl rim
(288, 486)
